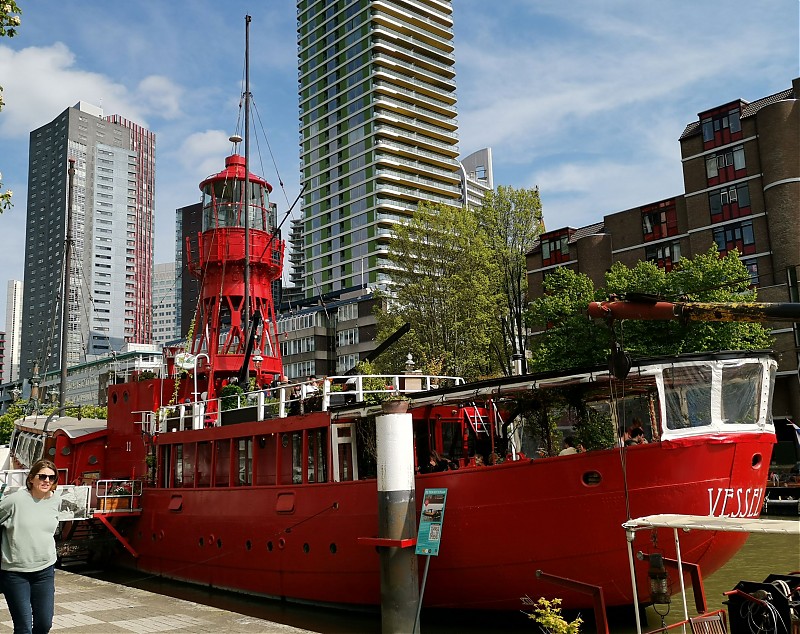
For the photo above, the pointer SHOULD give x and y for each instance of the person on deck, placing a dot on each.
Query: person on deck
(569, 447)
(27, 568)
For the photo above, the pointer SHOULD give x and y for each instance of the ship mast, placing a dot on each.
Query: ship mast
(246, 317)
(62, 392)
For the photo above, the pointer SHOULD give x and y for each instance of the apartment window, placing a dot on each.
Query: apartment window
(555, 249)
(729, 203)
(726, 166)
(664, 255)
(659, 221)
(722, 128)
(737, 235)
(752, 268)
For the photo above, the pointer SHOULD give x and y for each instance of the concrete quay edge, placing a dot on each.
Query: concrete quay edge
(91, 606)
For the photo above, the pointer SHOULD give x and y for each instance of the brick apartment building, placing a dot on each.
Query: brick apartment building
(741, 173)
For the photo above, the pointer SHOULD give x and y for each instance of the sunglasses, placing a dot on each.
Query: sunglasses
(47, 476)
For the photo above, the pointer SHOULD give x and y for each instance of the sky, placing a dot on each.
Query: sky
(584, 99)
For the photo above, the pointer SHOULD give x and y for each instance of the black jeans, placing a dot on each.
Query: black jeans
(31, 599)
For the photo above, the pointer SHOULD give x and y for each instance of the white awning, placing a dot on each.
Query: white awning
(709, 523)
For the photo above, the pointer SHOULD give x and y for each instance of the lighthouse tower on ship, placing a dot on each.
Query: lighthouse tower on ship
(237, 260)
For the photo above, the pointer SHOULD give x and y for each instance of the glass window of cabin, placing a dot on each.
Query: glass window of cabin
(165, 465)
(222, 463)
(297, 458)
(741, 393)
(687, 394)
(452, 441)
(265, 459)
(345, 458)
(286, 463)
(188, 459)
(317, 464)
(208, 209)
(244, 462)
(204, 464)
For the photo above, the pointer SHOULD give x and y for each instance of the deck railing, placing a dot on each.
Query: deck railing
(295, 398)
(115, 496)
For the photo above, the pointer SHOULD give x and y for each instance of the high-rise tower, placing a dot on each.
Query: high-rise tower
(111, 268)
(378, 130)
(13, 329)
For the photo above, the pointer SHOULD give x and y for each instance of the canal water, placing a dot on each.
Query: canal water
(761, 555)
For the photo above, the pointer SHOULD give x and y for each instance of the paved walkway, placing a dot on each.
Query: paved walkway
(85, 605)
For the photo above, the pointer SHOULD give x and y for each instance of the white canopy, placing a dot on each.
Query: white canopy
(709, 523)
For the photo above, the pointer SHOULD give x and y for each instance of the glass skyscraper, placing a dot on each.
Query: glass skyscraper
(112, 228)
(377, 129)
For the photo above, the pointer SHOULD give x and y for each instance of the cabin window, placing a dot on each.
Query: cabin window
(265, 459)
(187, 468)
(203, 464)
(289, 453)
(687, 392)
(741, 393)
(244, 462)
(345, 458)
(222, 463)
(165, 465)
(317, 471)
(297, 458)
(452, 442)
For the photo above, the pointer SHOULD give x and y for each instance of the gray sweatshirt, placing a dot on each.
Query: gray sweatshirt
(28, 544)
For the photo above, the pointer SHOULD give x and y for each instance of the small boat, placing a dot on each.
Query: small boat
(770, 606)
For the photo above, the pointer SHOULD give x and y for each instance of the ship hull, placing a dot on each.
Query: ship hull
(503, 523)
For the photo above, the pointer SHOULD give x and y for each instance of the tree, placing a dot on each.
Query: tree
(443, 286)
(566, 338)
(19, 409)
(571, 340)
(512, 220)
(8, 28)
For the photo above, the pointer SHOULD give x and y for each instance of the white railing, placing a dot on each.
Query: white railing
(296, 398)
(115, 496)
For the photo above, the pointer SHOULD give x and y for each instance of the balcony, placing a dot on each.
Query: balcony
(415, 124)
(415, 70)
(399, 106)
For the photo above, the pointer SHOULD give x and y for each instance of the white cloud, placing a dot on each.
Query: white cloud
(41, 82)
(161, 95)
(201, 153)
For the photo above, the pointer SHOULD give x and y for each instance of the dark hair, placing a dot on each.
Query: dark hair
(36, 468)
(636, 432)
(569, 441)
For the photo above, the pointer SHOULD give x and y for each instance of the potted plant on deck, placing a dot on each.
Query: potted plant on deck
(118, 497)
(395, 404)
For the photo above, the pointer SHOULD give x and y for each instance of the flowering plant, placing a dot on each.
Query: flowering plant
(120, 489)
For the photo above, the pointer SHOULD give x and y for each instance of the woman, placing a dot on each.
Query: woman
(27, 570)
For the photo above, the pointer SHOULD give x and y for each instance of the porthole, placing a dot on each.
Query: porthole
(306, 548)
(65, 451)
(114, 398)
(269, 546)
(92, 460)
(333, 549)
(285, 440)
(757, 458)
(281, 543)
(51, 451)
(219, 543)
(200, 542)
(248, 544)
(592, 478)
(125, 397)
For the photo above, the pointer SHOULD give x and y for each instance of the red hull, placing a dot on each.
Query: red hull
(502, 524)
